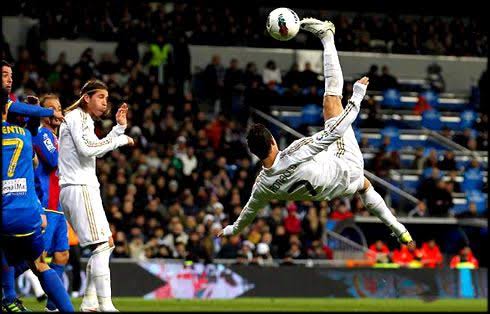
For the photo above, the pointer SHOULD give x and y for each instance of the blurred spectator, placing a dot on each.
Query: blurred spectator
(271, 73)
(373, 78)
(472, 212)
(407, 257)
(292, 222)
(340, 210)
(464, 259)
(448, 162)
(308, 76)
(213, 79)
(432, 160)
(463, 138)
(434, 78)
(293, 76)
(379, 252)
(431, 254)
(419, 211)
(387, 80)
(439, 200)
(419, 159)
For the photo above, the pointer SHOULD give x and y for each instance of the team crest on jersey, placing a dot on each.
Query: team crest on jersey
(49, 145)
(281, 22)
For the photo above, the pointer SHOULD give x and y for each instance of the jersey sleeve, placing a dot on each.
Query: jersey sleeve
(306, 148)
(116, 131)
(257, 201)
(46, 149)
(30, 110)
(87, 143)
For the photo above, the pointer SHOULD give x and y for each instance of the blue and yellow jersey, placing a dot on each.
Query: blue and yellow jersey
(21, 208)
(46, 148)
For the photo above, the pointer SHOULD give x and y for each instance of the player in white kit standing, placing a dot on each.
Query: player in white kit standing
(80, 197)
(312, 168)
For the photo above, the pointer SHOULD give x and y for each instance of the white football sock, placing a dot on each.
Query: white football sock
(90, 295)
(35, 284)
(334, 79)
(377, 206)
(101, 275)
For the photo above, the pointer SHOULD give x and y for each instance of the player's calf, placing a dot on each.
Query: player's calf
(376, 205)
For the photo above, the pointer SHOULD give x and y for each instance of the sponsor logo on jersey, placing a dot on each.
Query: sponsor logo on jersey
(49, 145)
(18, 185)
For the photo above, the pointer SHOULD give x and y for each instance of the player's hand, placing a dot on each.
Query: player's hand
(359, 88)
(130, 141)
(227, 231)
(364, 80)
(44, 221)
(121, 114)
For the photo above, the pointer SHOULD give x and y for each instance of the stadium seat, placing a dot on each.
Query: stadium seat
(468, 118)
(480, 199)
(473, 180)
(431, 119)
(391, 98)
(311, 114)
(431, 97)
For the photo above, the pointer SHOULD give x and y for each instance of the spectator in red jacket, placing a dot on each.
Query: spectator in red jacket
(292, 222)
(421, 105)
(465, 255)
(378, 251)
(340, 211)
(431, 254)
(404, 256)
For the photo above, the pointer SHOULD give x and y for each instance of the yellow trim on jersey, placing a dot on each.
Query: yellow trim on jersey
(20, 235)
(54, 211)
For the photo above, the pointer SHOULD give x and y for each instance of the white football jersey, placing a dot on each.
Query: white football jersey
(79, 146)
(308, 170)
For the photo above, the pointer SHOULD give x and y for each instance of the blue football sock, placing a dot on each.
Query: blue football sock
(59, 269)
(8, 283)
(55, 290)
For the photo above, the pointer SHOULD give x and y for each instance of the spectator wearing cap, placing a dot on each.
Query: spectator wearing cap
(264, 257)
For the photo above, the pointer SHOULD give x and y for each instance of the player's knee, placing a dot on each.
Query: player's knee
(365, 186)
(38, 266)
(61, 258)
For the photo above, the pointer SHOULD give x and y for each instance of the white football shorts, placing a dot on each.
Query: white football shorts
(83, 208)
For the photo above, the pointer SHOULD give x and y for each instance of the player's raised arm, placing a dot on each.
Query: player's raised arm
(251, 209)
(87, 143)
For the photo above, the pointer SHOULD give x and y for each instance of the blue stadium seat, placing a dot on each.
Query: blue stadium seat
(468, 118)
(391, 98)
(431, 97)
(394, 134)
(473, 180)
(480, 199)
(311, 114)
(431, 119)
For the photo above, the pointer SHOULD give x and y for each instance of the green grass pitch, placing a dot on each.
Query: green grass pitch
(288, 304)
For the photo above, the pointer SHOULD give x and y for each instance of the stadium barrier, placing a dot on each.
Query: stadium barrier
(159, 279)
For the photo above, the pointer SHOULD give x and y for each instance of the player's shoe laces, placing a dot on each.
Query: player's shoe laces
(14, 306)
(317, 27)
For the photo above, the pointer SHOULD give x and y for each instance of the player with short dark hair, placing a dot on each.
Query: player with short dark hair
(311, 168)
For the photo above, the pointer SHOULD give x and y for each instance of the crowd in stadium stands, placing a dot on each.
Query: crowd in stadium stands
(428, 255)
(236, 25)
(190, 171)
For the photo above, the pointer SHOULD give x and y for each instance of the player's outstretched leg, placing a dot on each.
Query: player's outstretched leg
(377, 206)
(334, 80)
